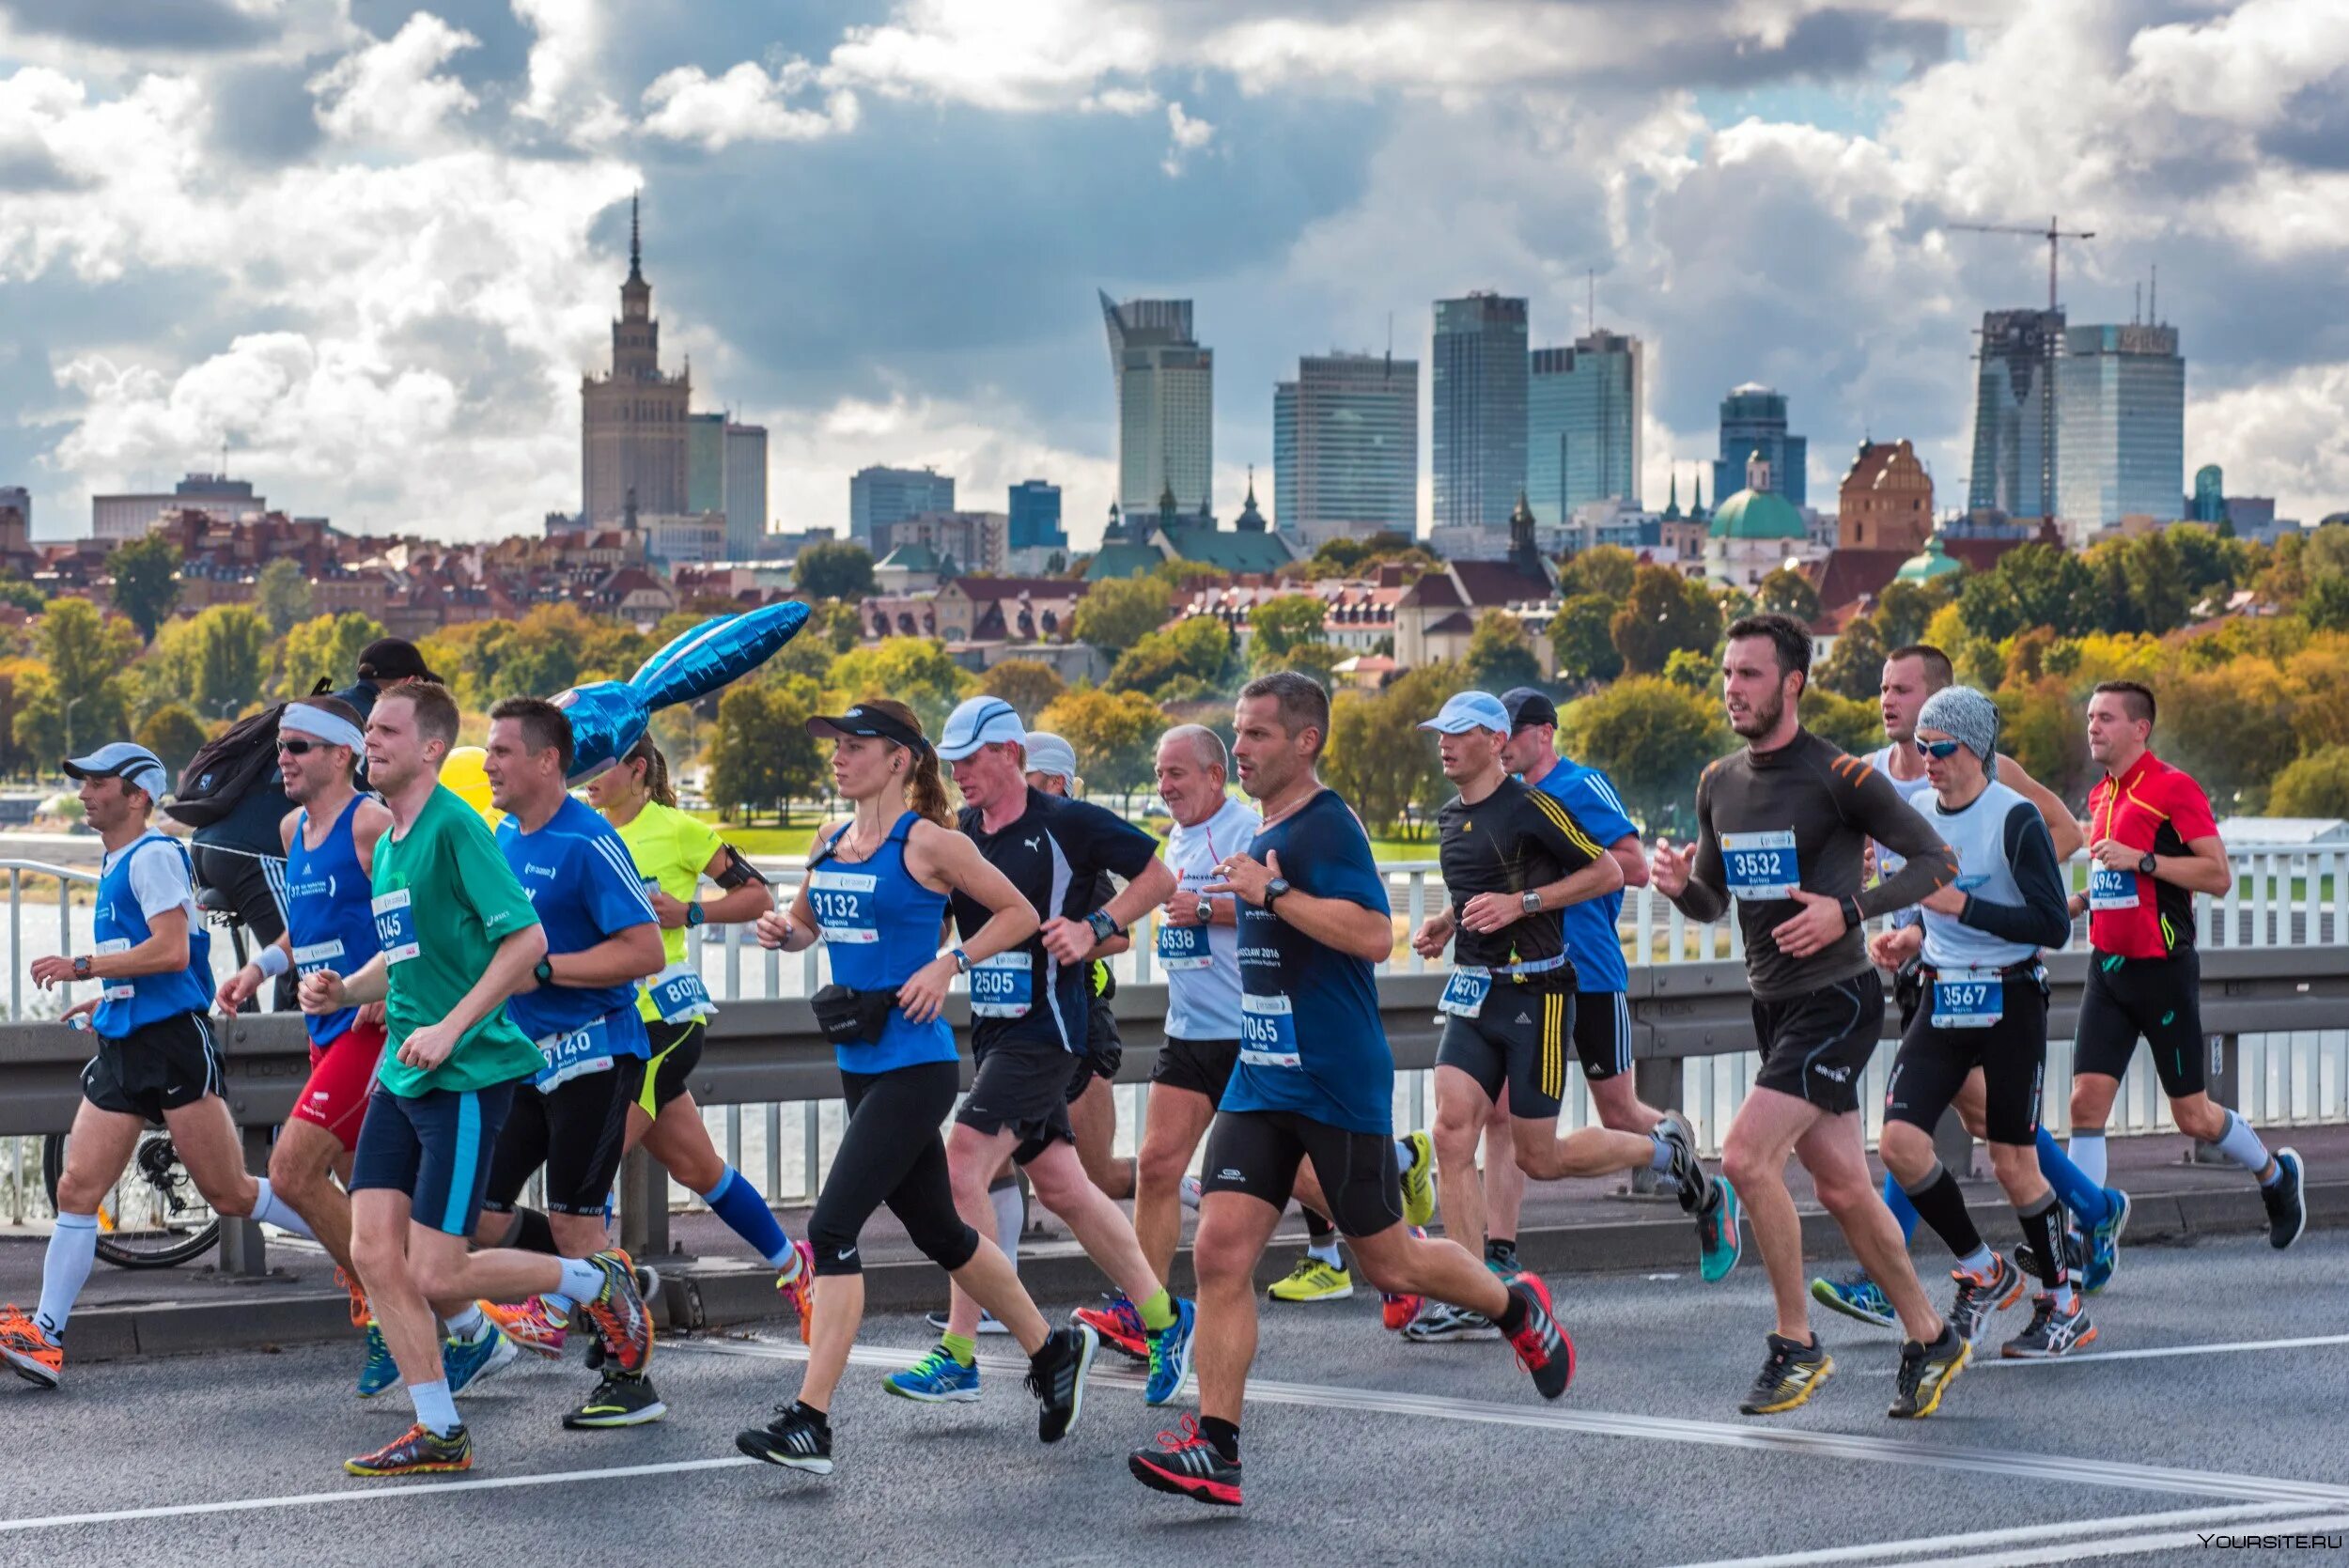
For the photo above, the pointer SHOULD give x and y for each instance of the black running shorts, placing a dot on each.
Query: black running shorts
(1517, 1038)
(162, 1066)
(1023, 1085)
(2158, 998)
(677, 1051)
(1816, 1046)
(1202, 1066)
(2012, 1054)
(1257, 1152)
(578, 1130)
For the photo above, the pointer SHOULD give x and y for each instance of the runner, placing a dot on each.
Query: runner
(571, 1119)
(1315, 1081)
(1984, 1021)
(672, 853)
(156, 1059)
(877, 893)
(2152, 846)
(329, 841)
(1911, 674)
(1782, 826)
(1029, 1034)
(457, 937)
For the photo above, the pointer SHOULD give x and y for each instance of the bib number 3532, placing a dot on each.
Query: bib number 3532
(1761, 865)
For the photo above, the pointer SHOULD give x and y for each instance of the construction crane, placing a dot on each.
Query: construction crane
(2051, 234)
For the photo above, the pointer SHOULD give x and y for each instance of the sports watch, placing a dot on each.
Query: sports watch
(2145, 864)
(1532, 902)
(1273, 889)
(1104, 925)
(695, 914)
(544, 973)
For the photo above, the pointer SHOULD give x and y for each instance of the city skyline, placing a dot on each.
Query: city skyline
(430, 210)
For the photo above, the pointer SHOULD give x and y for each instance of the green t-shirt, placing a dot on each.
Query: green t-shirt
(444, 898)
(670, 847)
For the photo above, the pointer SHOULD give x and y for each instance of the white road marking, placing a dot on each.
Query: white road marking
(1985, 1355)
(1888, 1551)
(2129, 1545)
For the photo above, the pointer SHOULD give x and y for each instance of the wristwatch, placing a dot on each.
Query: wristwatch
(80, 965)
(1205, 912)
(1853, 919)
(1273, 889)
(1103, 925)
(1532, 902)
(544, 973)
(694, 913)
(962, 961)
(2145, 865)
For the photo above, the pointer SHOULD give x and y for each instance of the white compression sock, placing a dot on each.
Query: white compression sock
(1405, 1155)
(1011, 1214)
(436, 1410)
(581, 1281)
(72, 1252)
(1325, 1252)
(2242, 1145)
(2088, 1152)
(468, 1325)
(269, 1209)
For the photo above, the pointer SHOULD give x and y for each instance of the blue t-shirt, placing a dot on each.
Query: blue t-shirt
(584, 885)
(1591, 941)
(1311, 1038)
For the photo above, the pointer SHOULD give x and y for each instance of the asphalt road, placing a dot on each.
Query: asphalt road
(2209, 1406)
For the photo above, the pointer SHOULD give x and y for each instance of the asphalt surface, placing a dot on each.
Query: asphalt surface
(1359, 1448)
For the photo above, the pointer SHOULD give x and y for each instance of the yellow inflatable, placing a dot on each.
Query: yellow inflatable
(463, 773)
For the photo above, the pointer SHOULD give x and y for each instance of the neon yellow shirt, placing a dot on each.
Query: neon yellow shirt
(670, 847)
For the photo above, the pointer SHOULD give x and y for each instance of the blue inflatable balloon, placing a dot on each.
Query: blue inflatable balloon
(608, 717)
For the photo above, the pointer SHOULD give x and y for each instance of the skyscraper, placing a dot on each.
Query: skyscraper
(2209, 502)
(2015, 424)
(746, 491)
(2119, 425)
(878, 497)
(1035, 517)
(632, 447)
(1478, 409)
(704, 462)
(1165, 385)
(1582, 411)
(1753, 419)
(1345, 447)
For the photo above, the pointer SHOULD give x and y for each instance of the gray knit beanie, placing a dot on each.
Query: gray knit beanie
(1967, 716)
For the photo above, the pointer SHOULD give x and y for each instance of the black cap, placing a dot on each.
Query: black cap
(1528, 706)
(870, 724)
(393, 659)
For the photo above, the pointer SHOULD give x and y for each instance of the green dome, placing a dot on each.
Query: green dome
(1757, 515)
(1934, 561)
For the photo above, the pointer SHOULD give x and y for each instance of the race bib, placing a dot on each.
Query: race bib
(1761, 865)
(313, 957)
(843, 902)
(678, 995)
(395, 926)
(1003, 987)
(1183, 947)
(574, 1055)
(1464, 994)
(1967, 999)
(2109, 889)
(1268, 1032)
(117, 990)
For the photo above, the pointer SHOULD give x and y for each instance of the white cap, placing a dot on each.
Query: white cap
(979, 722)
(119, 759)
(1469, 710)
(1048, 753)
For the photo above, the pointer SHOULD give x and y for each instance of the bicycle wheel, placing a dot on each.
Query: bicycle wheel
(153, 1218)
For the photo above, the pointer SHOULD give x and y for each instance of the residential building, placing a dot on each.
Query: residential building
(1357, 617)
(1478, 406)
(1008, 609)
(1583, 408)
(2253, 518)
(1165, 394)
(1345, 447)
(2120, 425)
(878, 497)
(1753, 418)
(704, 462)
(1434, 618)
(1035, 517)
(17, 499)
(744, 498)
(684, 537)
(2015, 435)
(633, 440)
(972, 541)
(1886, 500)
(115, 519)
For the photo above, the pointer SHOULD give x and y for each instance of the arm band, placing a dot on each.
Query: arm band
(273, 961)
(738, 872)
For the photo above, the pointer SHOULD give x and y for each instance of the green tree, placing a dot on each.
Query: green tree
(2316, 784)
(1280, 624)
(231, 645)
(745, 746)
(1607, 570)
(2325, 550)
(1378, 758)
(1693, 670)
(2231, 728)
(282, 593)
(1319, 661)
(2159, 595)
(1849, 723)
(2033, 585)
(1854, 666)
(324, 647)
(23, 595)
(840, 571)
(1114, 735)
(80, 698)
(2327, 606)
(1196, 649)
(1653, 739)
(1788, 592)
(1115, 615)
(2041, 728)
(1028, 684)
(1351, 557)
(174, 734)
(1903, 610)
(146, 580)
(1500, 655)
(1580, 637)
(1665, 610)
(913, 670)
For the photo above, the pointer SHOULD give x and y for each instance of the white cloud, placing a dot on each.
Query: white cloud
(392, 92)
(1042, 54)
(746, 104)
(1185, 136)
(566, 93)
(2283, 437)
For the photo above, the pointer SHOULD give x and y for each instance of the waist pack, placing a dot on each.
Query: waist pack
(847, 1018)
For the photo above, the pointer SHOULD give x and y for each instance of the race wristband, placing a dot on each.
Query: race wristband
(273, 962)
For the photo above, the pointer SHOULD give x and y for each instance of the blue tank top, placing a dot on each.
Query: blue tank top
(329, 918)
(129, 1005)
(881, 927)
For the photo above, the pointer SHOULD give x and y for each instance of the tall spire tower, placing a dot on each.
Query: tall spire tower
(633, 418)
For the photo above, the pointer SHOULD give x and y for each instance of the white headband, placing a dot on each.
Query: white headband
(332, 728)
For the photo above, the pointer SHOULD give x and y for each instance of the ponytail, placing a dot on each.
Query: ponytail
(926, 786)
(657, 782)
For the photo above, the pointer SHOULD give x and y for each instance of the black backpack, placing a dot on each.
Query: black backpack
(225, 768)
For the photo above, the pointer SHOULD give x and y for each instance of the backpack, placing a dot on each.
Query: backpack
(225, 767)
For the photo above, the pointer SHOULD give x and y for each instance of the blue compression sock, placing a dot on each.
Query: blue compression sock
(1902, 1210)
(72, 1252)
(2089, 1202)
(737, 1202)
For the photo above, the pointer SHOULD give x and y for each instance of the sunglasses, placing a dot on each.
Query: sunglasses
(299, 748)
(1940, 750)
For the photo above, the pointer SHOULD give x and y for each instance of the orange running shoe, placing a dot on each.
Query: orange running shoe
(798, 1288)
(619, 1313)
(416, 1451)
(529, 1323)
(361, 1313)
(29, 1353)
(1396, 1311)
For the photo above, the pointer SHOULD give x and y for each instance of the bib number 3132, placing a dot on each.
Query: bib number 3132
(1761, 865)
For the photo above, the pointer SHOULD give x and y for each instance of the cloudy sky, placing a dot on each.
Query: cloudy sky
(372, 247)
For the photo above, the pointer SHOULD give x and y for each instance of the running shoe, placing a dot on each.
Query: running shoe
(1978, 1296)
(531, 1326)
(1500, 1256)
(941, 1324)
(1719, 1242)
(2101, 1247)
(380, 1372)
(620, 1400)
(1441, 1320)
(1187, 1465)
(418, 1450)
(1789, 1375)
(798, 1289)
(361, 1314)
(1120, 1327)
(1396, 1311)
(465, 1362)
(2287, 1213)
(1170, 1355)
(1926, 1373)
(1056, 1375)
(2051, 1332)
(1541, 1343)
(1190, 1190)
(619, 1314)
(1686, 1171)
(1419, 1182)
(31, 1353)
(2074, 1253)
(795, 1439)
(1854, 1295)
(1313, 1281)
(937, 1378)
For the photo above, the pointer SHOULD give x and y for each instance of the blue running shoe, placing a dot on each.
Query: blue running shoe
(466, 1362)
(1719, 1243)
(937, 1378)
(382, 1372)
(1854, 1295)
(1170, 1355)
(2102, 1251)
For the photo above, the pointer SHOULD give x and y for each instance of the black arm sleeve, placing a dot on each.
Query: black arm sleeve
(1706, 896)
(2042, 918)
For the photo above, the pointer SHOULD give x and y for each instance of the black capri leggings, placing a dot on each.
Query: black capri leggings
(892, 1154)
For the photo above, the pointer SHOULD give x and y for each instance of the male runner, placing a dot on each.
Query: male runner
(457, 937)
(2152, 846)
(1780, 829)
(1029, 1032)
(572, 1118)
(1315, 1081)
(155, 1058)
(329, 840)
(1982, 1020)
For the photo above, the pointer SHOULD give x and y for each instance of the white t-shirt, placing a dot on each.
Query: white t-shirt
(1917, 792)
(159, 878)
(1202, 1001)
